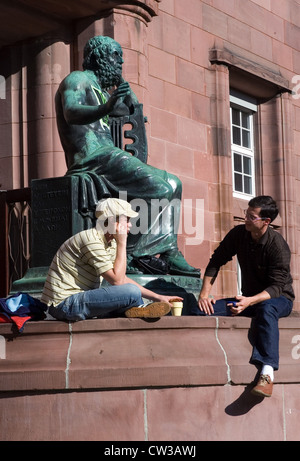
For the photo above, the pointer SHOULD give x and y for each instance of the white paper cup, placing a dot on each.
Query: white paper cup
(177, 308)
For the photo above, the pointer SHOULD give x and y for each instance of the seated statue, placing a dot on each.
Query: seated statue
(84, 102)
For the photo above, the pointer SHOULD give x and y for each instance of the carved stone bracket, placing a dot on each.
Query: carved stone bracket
(145, 9)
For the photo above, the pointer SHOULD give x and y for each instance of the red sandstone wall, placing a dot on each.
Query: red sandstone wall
(123, 380)
(182, 93)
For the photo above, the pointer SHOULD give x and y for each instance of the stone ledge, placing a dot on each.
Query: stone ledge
(132, 353)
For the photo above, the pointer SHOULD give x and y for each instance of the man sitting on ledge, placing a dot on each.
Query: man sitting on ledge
(72, 289)
(264, 259)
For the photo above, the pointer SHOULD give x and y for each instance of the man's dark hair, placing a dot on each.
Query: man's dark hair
(268, 206)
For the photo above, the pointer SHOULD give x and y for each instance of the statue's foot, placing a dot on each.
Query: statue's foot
(178, 265)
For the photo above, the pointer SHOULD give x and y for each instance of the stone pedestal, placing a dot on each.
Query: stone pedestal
(55, 216)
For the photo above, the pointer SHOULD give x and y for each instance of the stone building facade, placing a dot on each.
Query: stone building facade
(220, 85)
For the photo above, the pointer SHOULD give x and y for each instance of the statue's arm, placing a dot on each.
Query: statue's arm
(73, 93)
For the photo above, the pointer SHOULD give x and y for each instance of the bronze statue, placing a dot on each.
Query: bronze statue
(83, 107)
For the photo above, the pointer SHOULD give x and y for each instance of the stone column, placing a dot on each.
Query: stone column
(30, 146)
(11, 128)
(222, 198)
(278, 170)
(287, 202)
(47, 63)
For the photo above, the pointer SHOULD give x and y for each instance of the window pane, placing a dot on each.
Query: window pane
(242, 140)
(236, 135)
(236, 117)
(247, 165)
(245, 120)
(238, 182)
(246, 139)
(238, 163)
(247, 185)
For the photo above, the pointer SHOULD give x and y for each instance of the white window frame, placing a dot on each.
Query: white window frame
(239, 278)
(248, 105)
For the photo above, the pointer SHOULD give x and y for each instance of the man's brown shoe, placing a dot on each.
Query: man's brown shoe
(264, 386)
(152, 310)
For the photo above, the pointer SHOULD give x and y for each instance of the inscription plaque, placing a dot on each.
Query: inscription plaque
(55, 216)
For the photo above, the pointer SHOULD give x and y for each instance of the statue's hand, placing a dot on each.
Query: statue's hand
(120, 93)
(122, 90)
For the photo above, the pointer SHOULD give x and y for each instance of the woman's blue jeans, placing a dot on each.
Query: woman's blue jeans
(265, 329)
(105, 302)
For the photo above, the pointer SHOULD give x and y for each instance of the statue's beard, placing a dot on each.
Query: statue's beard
(109, 77)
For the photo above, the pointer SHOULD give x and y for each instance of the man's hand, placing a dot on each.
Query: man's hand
(245, 301)
(241, 304)
(206, 304)
(168, 299)
(121, 230)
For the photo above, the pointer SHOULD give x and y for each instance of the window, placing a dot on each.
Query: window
(242, 109)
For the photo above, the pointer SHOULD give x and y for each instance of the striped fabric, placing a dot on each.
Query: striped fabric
(78, 265)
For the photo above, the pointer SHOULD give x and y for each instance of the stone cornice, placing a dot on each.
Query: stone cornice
(259, 70)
